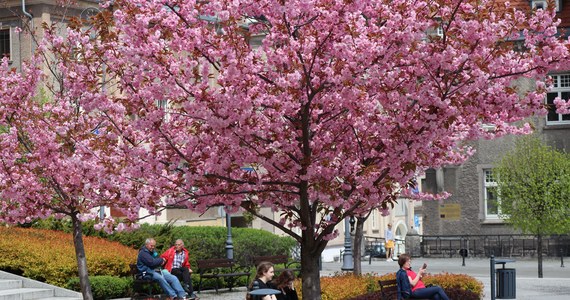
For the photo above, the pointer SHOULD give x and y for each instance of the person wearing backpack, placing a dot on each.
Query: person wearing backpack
(410, 284)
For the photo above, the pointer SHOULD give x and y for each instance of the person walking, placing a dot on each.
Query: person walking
(389, 238)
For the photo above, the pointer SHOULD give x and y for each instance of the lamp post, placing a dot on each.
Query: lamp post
(347, 260)
(229, 243)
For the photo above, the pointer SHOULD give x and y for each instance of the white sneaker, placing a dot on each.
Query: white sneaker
(389, 259)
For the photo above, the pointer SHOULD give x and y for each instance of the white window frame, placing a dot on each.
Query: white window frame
(439, 30)
(561, 84)
(489, 182)
(543, 4)
(10, 39)
(374, 217)
(164, 104)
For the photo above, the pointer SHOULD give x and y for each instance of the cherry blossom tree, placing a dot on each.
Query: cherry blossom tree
(334, 104)
(62, 156)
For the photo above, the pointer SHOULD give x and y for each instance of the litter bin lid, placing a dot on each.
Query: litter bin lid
(503, 260)
(265, 292)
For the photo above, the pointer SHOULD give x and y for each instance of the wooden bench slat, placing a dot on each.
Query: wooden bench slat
(219, 268)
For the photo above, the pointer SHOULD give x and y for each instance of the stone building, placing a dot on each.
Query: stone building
(472, 209)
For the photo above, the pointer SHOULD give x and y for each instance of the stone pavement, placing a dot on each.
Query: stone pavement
(554, 286)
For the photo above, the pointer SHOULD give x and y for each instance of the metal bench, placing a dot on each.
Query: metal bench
(221, 268)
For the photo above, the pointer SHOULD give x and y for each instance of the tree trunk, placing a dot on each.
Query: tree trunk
(81, 259)
(310, 259)
(539, 251)
(357, 245)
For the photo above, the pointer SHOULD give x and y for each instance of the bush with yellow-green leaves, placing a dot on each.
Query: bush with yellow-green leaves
(49, 256)
(344, 286)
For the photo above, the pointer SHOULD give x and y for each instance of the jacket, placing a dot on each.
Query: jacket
(146, 262)
(403, 283)
(169, 256)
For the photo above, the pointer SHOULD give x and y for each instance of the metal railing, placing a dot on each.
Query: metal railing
(507, 245)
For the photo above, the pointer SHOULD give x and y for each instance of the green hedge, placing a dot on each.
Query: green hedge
(203, 242)
(105, 287)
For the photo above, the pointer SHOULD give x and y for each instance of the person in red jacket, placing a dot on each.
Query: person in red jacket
(177, 264)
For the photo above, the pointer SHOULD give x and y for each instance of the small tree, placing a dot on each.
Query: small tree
(534, 190)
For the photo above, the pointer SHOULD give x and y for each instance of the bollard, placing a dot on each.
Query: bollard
(561, 258)
(463, 252)
(255, 286)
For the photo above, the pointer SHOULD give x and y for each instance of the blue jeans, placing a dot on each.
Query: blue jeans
(433, 292)
(169, 283)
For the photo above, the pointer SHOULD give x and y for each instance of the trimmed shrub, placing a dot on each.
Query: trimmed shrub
(343, 286)
(104, 287)
(203, 242)
(49, 256)
(348, 286)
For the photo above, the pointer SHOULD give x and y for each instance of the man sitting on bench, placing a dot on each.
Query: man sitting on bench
(178, 265)
(150, 266)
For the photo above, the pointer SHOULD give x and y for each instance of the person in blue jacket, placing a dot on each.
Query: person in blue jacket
(150, 265)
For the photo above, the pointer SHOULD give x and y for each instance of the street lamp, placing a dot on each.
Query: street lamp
(229, 243)
(347, 259)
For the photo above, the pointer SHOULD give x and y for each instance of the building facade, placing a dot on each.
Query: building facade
(472, 208)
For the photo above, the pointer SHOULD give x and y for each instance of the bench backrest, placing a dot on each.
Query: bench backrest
(275, 259)
(134, 269)
(215, 263)
(389, 289)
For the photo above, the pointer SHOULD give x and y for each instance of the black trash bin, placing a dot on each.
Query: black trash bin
(506, 284)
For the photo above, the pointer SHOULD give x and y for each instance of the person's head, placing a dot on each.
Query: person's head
(265, 271)
(150, 244)
(178, 245)
(284, 279)
(404, 260)
(389, 226)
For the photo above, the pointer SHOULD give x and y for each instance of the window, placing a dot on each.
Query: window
(439, 30)
(374, 218)
(560, 88)
(164, 106)
(490, 195)
(5, 45)
(543, 4)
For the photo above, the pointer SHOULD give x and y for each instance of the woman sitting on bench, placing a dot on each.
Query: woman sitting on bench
(418, 290)
(264, 274)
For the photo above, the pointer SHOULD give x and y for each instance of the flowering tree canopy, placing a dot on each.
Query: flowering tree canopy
(60, 155)
(333, 106)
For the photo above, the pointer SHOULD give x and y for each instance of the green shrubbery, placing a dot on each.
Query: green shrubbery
(105, 287)
(203, 242)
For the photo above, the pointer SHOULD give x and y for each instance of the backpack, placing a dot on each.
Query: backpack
(403, 283)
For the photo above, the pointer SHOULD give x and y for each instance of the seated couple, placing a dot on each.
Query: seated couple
(264, 280)
(169, 270)
(410, 284)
